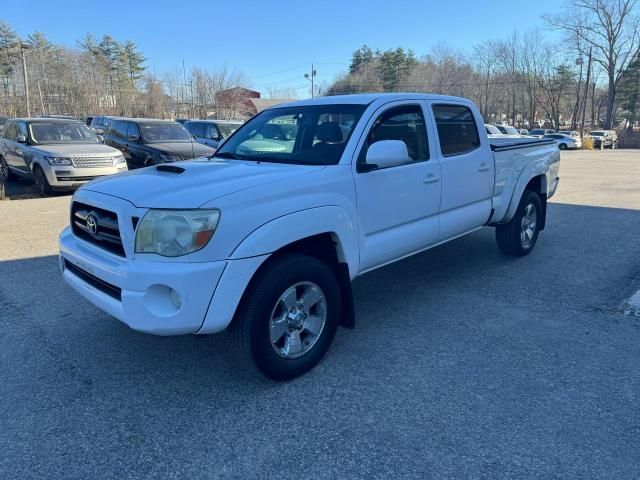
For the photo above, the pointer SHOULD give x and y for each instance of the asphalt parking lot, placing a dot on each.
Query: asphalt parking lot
(464, 363)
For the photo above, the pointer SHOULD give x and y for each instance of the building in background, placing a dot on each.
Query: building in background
(241, 103)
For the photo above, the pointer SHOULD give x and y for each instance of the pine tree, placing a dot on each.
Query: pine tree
(132, 60)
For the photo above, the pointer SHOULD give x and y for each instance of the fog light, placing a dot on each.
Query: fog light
(175, 299)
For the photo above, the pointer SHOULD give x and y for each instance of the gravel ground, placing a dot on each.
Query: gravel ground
(464, 363)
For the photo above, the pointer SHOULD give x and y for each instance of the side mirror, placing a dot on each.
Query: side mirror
(100, 138)
(21, 139)
(387, 153)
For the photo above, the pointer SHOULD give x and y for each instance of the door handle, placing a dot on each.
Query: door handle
(432, 179)
(483, 167)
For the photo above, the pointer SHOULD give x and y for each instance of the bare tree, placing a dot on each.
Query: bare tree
(611, 27)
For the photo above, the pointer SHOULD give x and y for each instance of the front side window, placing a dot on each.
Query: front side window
(404, 123)
(61, 132)
(457, 130)
(132, 131)
(306, 135)
(226, 129)
(198, 129)
(157, 132)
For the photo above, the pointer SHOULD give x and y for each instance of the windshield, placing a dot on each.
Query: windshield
(164, 132)
(227, 129)
(597, 134)
(307, 135)
(538, 132)
(61, 132)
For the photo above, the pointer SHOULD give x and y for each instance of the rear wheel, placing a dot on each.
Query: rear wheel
(288, 317)
(519, 235)
(42, 184)
(6, 174)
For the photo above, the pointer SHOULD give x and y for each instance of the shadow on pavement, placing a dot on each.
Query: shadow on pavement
(461, 358)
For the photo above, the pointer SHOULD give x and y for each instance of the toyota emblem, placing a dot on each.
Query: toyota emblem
(92, 223)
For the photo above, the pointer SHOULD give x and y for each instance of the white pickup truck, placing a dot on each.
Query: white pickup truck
(266, 236)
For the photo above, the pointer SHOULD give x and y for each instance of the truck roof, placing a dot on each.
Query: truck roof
(368, 98)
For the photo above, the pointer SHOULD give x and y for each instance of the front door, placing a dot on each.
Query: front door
(397, 206)
(467, 169)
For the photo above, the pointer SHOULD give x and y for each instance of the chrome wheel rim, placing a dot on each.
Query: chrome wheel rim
(528, 225)
(297, 320)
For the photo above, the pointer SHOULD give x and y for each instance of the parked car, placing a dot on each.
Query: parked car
(272, 240)
(508, 130)
(565, 142)
(100, 124)
(182, 120)
(150, 142)
(604, 138)
(57, 154)
(211, 132)
(571, 133)
(540, 132)
(492, 130)
(523, 131)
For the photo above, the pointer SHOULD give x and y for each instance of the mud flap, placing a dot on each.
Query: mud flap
(348, 313)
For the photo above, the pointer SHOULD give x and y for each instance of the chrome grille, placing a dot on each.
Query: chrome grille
(88, 162)
(104, 230)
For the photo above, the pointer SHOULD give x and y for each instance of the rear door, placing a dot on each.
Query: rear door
(397, 206)
(135, 151)
(467, 169)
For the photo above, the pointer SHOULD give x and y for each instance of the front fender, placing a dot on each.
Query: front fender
(296, 226)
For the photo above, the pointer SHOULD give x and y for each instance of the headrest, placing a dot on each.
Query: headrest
(329, 132)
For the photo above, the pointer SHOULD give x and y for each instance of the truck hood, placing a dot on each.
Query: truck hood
(200, 182)
(183, 149)
(69, 150)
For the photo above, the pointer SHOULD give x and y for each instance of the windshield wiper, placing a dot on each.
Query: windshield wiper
(230, 155)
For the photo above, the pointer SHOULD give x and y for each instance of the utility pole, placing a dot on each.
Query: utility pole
(586, 93)
(311, 77)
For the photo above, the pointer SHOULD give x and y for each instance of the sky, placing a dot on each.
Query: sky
(274, 43)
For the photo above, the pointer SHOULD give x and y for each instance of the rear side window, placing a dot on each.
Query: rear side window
(404, 123)
(457, 130)
(10, 131)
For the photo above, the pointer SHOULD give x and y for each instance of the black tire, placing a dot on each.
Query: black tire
(510, 235)
(251, 327)
(6, 174)
(562, 146)
(41, 182)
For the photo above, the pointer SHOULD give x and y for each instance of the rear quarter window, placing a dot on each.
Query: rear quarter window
(457, 130)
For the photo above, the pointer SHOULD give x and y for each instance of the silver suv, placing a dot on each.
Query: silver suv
(57, 154)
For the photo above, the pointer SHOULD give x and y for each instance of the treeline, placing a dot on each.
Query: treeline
(526, 79)
(102, 76)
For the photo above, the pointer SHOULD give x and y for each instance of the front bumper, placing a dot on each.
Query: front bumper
(161, 298)
(68, 177)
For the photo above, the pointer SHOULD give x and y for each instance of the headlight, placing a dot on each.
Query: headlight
(58, 160)
(119, 160)
(170, 158)
(173, 233)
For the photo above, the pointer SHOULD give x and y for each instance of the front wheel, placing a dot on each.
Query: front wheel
(288, 316)
(519, 235)
(562, 146)
(42, 184)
